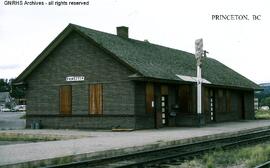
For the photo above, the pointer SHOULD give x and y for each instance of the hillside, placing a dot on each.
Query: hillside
(266, 88)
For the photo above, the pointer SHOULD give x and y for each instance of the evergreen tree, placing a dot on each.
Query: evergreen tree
(4, 86)
(15, 91)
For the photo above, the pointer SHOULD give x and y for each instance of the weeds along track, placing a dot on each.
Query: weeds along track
(264, 165)
(150, 158)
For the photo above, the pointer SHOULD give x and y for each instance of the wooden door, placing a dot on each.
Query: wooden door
(164, 110)
(212, 106)
(161, 109)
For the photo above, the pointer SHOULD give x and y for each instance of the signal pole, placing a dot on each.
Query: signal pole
(199, 54)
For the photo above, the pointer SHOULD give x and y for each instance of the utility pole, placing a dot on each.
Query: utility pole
(199, 54)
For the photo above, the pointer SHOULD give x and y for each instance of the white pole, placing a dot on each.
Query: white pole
(198, 55)
(199, 89)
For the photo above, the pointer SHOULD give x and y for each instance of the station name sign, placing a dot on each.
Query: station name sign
(74, 78)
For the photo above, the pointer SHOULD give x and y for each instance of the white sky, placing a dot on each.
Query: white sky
(241, 45)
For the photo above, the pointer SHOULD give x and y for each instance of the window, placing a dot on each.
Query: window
(95, 99)
(65, 100)
(149, 91)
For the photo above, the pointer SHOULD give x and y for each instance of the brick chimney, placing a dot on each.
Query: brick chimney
(122, 31)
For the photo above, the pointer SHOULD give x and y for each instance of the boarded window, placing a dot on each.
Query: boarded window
(149, 91)
(185, 98)
(95, 99)
(65, 99)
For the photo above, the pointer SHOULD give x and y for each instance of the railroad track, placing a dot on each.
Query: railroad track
(151, 158)
(264, 165)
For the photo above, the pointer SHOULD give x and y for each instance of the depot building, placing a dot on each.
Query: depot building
(92, 79)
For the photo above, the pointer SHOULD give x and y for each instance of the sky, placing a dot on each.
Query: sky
(25, 30)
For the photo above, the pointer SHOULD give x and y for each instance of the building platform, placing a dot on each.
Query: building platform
(95, 144)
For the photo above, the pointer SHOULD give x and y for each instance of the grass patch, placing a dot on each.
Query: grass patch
(22, 137)
(262, 114)
(249, 157)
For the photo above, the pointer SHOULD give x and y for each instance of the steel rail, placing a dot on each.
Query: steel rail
(264, 165)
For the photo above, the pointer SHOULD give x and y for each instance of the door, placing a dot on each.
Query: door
(164, 110)
(212, 106)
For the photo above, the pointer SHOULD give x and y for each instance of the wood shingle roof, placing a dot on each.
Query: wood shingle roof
(155, 61)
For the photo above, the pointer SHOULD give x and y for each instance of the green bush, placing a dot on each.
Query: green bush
(265, 101)
(262, 114)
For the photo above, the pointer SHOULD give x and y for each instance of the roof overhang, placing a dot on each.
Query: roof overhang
(184, 82)
(191, 79)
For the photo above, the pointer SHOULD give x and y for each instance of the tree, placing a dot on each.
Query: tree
(15, 91)
(265, 101)
(4, 86)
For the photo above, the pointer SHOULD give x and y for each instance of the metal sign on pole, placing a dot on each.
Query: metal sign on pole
(198, 55)
(198, 48)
